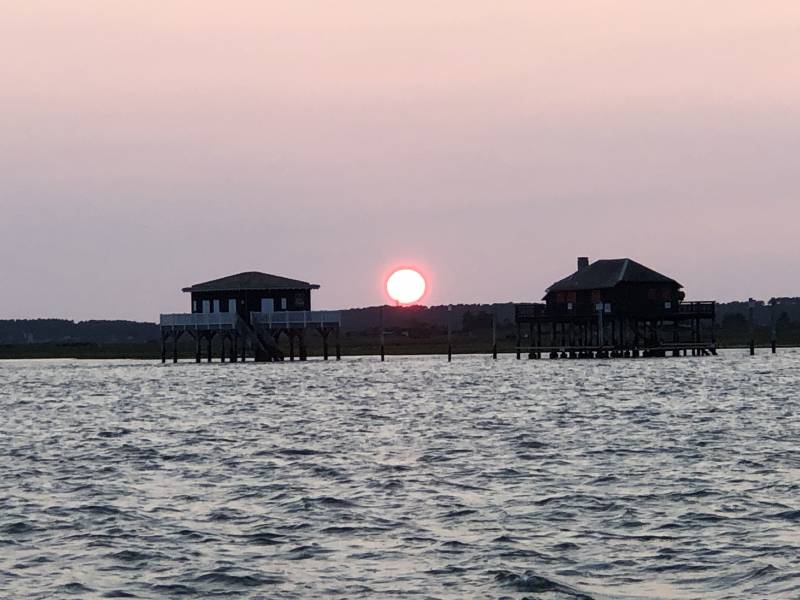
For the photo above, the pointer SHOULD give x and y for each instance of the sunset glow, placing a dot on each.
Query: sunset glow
(406, 286)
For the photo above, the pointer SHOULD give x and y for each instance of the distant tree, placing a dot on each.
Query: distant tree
(734, 321)
(476, 322)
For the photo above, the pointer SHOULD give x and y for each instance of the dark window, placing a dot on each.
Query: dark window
(597, 296)
(299, 301)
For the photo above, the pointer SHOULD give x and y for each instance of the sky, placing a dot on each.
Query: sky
(146, 146)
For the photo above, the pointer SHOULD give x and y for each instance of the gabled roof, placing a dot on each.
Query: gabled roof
(604, 274)
(251, 280)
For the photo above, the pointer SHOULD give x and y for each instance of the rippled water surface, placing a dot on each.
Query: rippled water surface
(650, 478)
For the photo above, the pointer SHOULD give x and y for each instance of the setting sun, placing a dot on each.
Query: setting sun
(405, 286)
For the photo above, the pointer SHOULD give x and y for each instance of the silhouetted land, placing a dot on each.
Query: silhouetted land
(415, 330)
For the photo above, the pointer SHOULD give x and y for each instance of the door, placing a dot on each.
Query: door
(267, 305)
(206, 306)
(232, 305)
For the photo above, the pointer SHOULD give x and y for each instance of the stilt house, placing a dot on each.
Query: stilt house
(616, 307)
(250, 312)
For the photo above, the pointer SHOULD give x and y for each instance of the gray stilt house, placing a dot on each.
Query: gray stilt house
(250, 311)
(616, 308)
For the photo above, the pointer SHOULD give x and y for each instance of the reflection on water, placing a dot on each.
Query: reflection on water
(668, 478)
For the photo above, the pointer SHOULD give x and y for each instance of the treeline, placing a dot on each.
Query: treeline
(416, 321)
(63, 331)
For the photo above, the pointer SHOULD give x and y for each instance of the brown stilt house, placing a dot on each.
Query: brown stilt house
(616, 307)
(249, 312)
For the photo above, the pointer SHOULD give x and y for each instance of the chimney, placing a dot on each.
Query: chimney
(583, 262)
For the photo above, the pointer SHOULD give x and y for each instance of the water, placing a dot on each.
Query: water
(660, 478)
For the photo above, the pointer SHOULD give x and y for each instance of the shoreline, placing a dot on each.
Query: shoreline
(152, 351)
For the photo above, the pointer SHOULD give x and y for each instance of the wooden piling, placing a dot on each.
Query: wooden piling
(175, 347)
(163, 348)
(383, 339)
(750, 306)
(449, 333)
(773, 326)
(494, 332)
(338, 345)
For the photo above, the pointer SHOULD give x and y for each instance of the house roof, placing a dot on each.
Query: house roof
(604, 274)
(251, 280)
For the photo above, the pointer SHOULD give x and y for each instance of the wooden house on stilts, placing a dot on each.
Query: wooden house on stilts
(250, 311)
(615, 308)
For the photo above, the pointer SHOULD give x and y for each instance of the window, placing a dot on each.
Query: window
(607, 307)
(283, 303)
(667, 305)
(569, 305)
(597, 296)
(299, 301)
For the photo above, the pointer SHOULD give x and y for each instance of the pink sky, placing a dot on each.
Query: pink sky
(150, 145)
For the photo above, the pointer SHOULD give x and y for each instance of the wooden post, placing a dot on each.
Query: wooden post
(234, 349)
(773, 326)
(531, 351)
(750, 306)
(383, 353)
(222, 337)
(338, 344)
(600, 328)
(210, 338)
(325, 333)
(175, 337)
(302, 343)
(197, 346)
(449, 333)
(519, 339)
(494, 332)
(291, 344)
(163, 348)
(538, 337)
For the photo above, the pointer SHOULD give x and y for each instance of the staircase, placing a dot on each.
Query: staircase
(266, 347)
